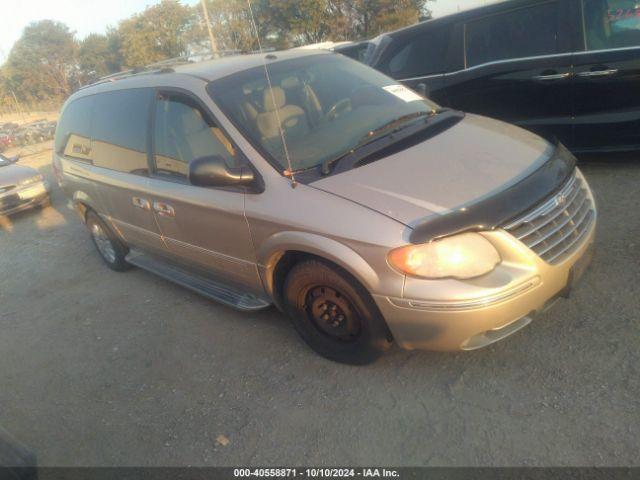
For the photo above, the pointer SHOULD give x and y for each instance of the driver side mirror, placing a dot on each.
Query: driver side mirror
(14, 159)
(212, 171)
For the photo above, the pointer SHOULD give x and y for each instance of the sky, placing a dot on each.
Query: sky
(87, 16)
(82, 16)
(445, 7)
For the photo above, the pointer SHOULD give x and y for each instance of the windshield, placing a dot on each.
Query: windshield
(4, 161)
(323, 105)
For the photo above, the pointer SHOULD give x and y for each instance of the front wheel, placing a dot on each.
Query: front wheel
(109, 247)
(334, 314)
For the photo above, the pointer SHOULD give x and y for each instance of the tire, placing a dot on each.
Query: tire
(334, 314)
(111, 249)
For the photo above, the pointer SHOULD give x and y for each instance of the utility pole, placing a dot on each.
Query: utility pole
(214, 46)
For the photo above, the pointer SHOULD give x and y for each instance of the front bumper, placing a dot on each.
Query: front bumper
(454, 315)
(24, 198)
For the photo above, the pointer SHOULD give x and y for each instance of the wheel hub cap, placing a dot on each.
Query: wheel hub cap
(332, 313)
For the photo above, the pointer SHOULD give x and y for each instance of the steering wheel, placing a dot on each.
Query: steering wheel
(342, 106)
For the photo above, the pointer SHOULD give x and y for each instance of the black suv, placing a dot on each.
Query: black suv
(568, 69)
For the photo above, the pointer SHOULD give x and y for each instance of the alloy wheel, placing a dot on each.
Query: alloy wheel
(103, 242)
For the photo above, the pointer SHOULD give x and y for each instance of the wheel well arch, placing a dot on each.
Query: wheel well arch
(288, 259)
(278, 253)
(282, 263)
(83, 209)
(285, 261)
(83, 203)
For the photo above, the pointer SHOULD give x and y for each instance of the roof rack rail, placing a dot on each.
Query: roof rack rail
(169, 62)
(117, 74)
(163, 66)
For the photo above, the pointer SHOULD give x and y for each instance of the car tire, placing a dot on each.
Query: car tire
(334, 314)
(111, 249)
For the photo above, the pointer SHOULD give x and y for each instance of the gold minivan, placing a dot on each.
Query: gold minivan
(309, 181)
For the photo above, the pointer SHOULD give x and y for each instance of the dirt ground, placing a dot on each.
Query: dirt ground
(106, 368)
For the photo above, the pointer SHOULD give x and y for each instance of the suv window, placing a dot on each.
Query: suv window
(356, 51)
(73, 134)
(526, 32)
(424, 54)
(184, 132)
(611, 24)
(119, 130)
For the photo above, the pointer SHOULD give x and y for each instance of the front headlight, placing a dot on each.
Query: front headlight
(461, 256)
(29, 181)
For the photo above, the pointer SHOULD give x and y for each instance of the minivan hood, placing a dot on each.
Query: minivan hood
(13, 174)
(467, 163)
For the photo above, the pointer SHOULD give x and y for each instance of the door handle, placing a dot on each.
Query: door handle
(552, 77)
(598, 73)
(141, 203)
(164, 209)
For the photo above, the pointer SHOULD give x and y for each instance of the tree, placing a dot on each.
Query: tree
(307, 21)
(233, 27)
(155, 34)
(48, 63)
(99, 55)
(42, 63)
(369, 18)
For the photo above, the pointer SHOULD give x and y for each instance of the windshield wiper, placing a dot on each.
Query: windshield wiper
(385, 130)
(396, 124)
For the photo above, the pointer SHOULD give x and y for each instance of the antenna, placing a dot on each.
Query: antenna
(289, 172)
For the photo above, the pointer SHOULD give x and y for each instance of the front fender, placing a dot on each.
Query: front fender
(272, 249)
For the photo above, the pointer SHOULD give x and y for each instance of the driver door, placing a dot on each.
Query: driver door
(204, 228)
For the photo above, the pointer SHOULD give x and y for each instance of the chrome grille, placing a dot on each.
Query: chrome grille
(554, 229)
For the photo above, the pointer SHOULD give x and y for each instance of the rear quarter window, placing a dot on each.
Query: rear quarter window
(73, 132)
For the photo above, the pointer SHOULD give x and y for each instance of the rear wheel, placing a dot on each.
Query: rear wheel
(108, 245)
(334, 314)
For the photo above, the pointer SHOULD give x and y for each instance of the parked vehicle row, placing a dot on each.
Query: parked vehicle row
(7, 140)
(14, 135)
(366, 212)
(566, 69)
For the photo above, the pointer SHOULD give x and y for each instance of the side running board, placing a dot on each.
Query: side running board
(207, 287)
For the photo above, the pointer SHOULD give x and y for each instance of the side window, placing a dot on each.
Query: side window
(119, 130)
(421, 55)
(611, 24)
(526, 32)
(73, 132)
(183, 132)
(357, 51)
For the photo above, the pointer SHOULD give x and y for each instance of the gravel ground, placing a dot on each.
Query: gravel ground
(104, 368)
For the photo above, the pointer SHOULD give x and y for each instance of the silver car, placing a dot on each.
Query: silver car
(306, 180)
(21, 187)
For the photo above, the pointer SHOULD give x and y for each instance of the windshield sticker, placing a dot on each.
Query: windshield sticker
(402, 92)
